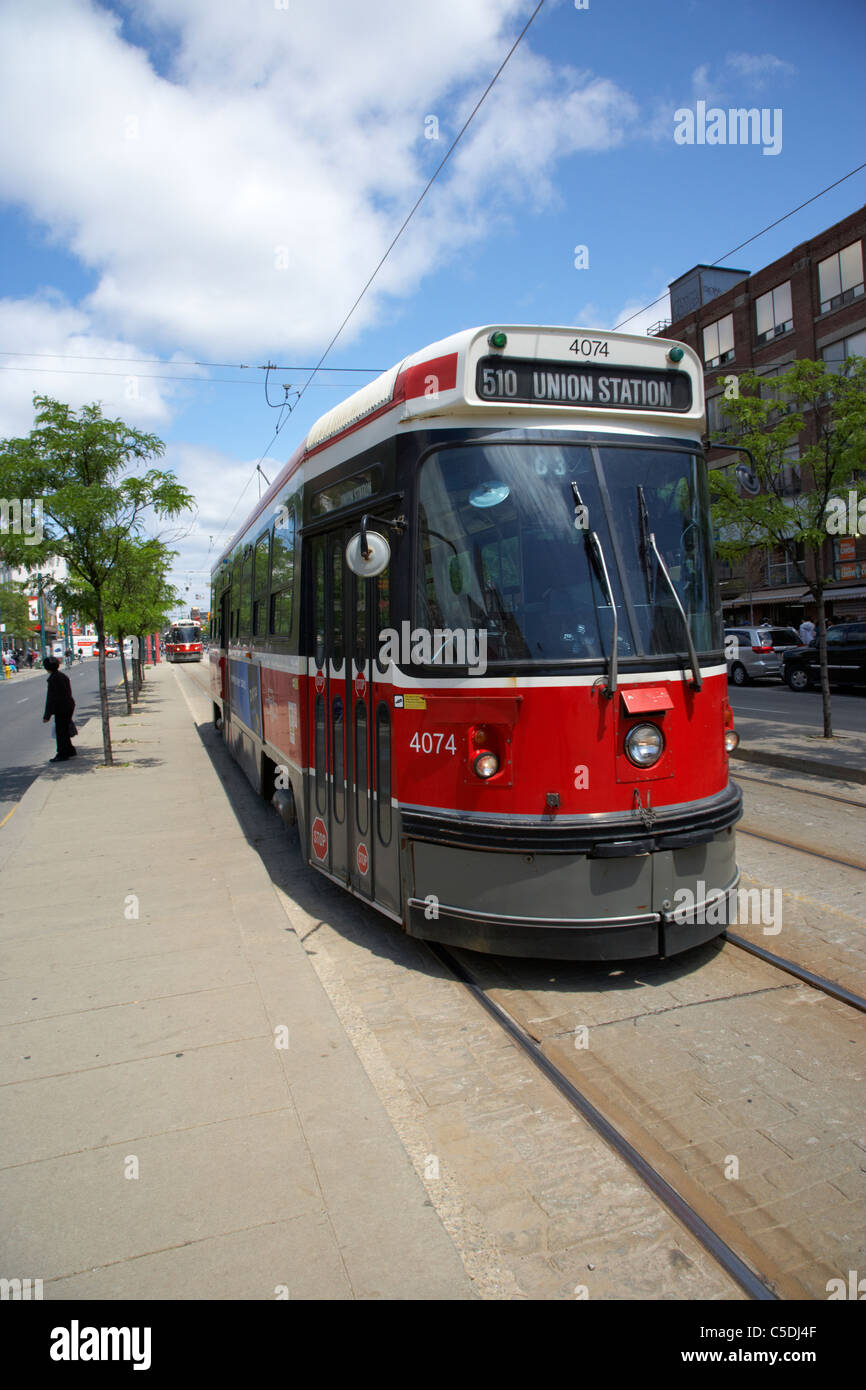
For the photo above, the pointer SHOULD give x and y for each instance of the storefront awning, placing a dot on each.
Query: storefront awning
(856, 591)
(795, 595)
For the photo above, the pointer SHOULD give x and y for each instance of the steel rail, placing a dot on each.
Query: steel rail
(751, 1282)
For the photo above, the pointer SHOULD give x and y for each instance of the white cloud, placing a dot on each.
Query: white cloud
(758, 67)
(639, 318)
(55, 348)
(739, 77)
(225, 489)
(242, 201)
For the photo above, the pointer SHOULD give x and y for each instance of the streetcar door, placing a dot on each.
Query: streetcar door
(372, 848)
(319, 817)
(350, 811)
(360, 627)
(225, 683)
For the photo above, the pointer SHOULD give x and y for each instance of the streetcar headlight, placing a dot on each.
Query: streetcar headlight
(732, 738)
(644, 744)
(485, 765)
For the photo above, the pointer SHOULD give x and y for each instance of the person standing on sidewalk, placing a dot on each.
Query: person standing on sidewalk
(60, 703)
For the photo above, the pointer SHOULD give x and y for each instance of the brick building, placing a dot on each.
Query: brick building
(809, 303)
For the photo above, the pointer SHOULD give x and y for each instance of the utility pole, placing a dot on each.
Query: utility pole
(41, 611)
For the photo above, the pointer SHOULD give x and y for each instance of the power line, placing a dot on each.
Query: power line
(161, 362)
(393, 243)
(750, 239)
(424, 192)
(158, 376)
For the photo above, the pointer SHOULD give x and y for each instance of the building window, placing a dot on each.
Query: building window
(789, 481)
(834, 355)
(719, 342)
(717, 419)
(769, 388)
(773, 314)
(840, 277)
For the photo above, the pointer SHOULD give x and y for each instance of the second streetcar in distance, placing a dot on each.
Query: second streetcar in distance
(183, 642)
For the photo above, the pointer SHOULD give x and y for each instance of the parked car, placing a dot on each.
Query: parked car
(846, 659)
(758, 651)
(110, 649)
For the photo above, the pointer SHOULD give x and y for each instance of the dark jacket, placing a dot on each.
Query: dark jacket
(59, 701)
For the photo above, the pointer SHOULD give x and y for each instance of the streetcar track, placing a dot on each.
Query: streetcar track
(802, 849)
(800, 972)
(803, 791)
(746, 1273)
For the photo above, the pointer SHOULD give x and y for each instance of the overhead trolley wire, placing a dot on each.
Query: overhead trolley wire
(452, 147)
(734, 249)
(405, 223)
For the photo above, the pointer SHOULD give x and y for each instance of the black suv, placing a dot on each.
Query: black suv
(846, 659)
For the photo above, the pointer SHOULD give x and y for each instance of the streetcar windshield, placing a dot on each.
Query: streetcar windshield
(185, 635)
(503, 548)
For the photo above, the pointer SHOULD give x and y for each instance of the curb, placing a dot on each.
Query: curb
(811, 767)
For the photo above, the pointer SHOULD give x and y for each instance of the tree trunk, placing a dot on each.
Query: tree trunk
(103, 689)
(822, 649)
(120, 639)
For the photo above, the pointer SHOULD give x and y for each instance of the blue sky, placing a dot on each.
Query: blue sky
(201, 180)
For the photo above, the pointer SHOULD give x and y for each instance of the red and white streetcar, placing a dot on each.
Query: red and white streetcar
(470, 639)
(183, 642)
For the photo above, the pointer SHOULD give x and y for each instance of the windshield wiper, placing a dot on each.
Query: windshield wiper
(647, 544)
(597, 557)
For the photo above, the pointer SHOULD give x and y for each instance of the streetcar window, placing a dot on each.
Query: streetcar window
(236, 598)
(321, 753)
(344, 492)
(260, 584)
(500, 558)
(383, 600)
(360, 586)
(504, 552)
(281, 614)
(339, 760)
(246, 594)
(282, 573)
(383, 772)
(336, 625)
(319, 598)
(361, 794)
(676, 494)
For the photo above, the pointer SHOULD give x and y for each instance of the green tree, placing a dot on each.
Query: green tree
(83, 467)
(138, 600)
(15, 612)
(767, 417)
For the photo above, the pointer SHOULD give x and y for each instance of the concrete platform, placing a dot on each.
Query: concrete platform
(183, 1115)
(842, 757)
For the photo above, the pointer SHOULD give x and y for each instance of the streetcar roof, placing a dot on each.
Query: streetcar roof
(440, 380)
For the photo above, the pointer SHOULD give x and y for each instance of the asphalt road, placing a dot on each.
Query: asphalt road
(774, 701)
(26, 744)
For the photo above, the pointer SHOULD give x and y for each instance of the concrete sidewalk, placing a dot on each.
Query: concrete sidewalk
(842, 757)
(157, 1139)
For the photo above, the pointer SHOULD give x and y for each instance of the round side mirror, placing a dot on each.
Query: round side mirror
(747, 480)
(378, 557)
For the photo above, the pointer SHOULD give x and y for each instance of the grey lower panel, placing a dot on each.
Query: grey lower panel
(570, 906)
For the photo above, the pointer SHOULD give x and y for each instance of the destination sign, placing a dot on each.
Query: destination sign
(528, 381)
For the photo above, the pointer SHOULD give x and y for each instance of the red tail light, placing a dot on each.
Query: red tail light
(763, 649)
